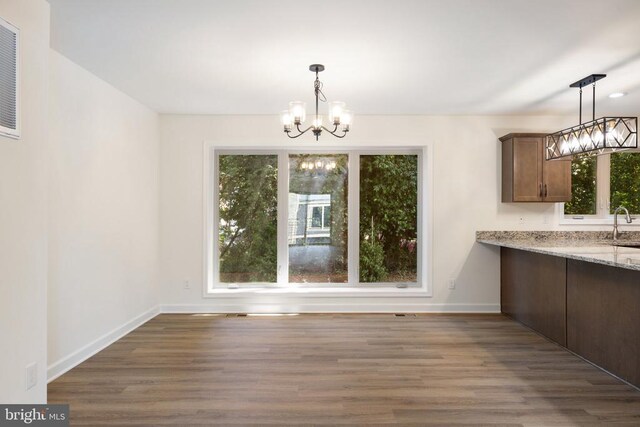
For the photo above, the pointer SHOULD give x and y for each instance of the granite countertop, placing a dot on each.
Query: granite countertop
(583, 246)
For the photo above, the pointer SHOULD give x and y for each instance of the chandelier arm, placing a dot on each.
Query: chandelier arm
(344, 132)
(300, 132)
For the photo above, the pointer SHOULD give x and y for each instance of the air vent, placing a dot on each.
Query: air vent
(9, 44)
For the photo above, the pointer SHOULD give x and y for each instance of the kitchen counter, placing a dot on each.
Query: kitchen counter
(593, 247)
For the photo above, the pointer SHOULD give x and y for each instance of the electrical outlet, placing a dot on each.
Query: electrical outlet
(186, 284)
(32, 375)
(452, 283)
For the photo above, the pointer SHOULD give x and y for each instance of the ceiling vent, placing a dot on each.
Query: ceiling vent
(9, 113)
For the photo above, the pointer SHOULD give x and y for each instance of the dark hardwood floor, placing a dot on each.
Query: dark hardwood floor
(341, 369)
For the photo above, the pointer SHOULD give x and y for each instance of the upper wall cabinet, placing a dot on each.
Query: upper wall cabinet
(527, 176)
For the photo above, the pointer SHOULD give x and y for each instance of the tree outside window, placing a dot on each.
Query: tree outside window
(614, 178)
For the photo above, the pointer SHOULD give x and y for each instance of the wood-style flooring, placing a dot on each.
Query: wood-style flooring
(341, 369)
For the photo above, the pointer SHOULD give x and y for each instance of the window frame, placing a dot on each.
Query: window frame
(212, 287)
(603, 200)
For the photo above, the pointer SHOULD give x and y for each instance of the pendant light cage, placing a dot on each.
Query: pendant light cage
(602, 136)
(599, 136)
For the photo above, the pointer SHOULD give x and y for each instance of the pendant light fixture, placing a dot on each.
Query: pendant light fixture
(602, 136)
(339, 117)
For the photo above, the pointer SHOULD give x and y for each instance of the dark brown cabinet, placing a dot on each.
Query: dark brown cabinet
(527, 176)
(603, 317)
(533, 291)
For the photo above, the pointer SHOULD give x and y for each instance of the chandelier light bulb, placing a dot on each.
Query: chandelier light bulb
(336, 108)
(297, 109)
(346, 119)
(585, 142)
(287, 119)
(598, 137)
(317, 122)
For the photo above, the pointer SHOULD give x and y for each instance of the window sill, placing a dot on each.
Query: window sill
(319, 292)
(599, 221)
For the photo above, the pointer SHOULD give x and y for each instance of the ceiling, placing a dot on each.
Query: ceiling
(381, 56)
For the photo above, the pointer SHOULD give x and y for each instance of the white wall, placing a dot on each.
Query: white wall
(23, 214)
(466, 198)
(103, 205)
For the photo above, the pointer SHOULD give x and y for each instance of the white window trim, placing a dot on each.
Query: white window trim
(603, 193)
(351, 289)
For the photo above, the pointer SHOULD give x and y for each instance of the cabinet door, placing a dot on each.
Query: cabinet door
(527, 170)
(556, 179)
(533, 291)
(603, 317)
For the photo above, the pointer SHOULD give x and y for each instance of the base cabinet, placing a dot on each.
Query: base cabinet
(533, 291)
(603, 317)
(591, 309)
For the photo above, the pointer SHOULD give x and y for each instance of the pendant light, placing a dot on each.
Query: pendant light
(339, 117)
(602, 136)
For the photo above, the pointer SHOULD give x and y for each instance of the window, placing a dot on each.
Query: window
(286, 219)
(583, 186)
(602, 183)
(625, 181)
(318, 251)
(388, 218)
(247, 213)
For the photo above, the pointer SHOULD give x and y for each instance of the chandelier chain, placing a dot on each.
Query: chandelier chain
(318, 89)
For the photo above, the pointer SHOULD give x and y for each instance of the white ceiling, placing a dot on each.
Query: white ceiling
(382, 57)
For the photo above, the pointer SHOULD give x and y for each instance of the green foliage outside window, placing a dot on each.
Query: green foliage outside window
(248, 218)
(583, 186)
(372, 265)
(625, 181)
(388, 218)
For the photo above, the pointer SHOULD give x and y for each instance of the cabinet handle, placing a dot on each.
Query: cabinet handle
(540, 190)
(545, 190)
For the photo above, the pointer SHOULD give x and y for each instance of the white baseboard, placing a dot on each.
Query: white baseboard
(74, 359)
(329, 308)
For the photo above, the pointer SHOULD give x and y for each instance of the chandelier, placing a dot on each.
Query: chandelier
(339, 117)
(602, 136)
(319, 165)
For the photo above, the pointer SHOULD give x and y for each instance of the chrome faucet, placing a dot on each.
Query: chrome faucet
(627, 218)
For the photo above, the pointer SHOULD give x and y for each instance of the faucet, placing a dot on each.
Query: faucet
(627, 218)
